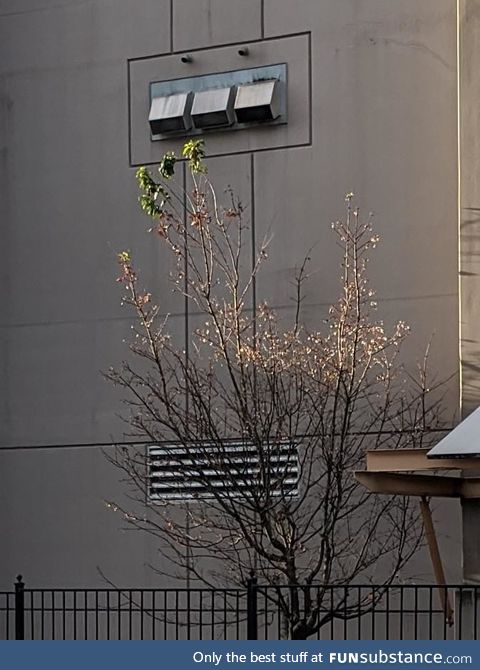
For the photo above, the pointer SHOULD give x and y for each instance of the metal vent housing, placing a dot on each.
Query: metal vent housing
(258, 102)
(170, 113)
(213, 108)
(222, 101)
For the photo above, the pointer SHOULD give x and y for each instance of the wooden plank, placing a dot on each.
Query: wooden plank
(410, 460)
(470, 487)
(410, 485)
(394, 483)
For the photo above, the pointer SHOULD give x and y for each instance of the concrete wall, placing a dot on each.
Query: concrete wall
(469, 24)
(469, 247)
(383, 124)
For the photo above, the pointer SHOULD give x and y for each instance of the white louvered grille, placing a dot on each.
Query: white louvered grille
(233, 469)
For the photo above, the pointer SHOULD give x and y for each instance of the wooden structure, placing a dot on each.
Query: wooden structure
(447, 471)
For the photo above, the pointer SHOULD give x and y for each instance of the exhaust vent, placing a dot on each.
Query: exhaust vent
(231, 470)
(213, 108)
(258, 102)
(223, 101)
(170, 113)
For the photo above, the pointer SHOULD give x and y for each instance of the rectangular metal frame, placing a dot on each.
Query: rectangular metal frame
(293, 50)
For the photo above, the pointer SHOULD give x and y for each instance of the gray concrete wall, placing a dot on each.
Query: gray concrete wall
(384, 124)
(471, 541)
(469, 211)
(469, 52)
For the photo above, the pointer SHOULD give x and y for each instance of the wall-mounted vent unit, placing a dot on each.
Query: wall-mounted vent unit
(170, 113)
(257, 102)
(232, 469)
(213, 108)
(234, 100)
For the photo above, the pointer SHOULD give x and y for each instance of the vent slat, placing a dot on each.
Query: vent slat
(205, 471)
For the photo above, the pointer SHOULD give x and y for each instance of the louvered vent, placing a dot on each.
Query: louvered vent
(203, 471)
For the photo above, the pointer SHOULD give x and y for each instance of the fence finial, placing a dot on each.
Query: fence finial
(252, 621)
(19, 609)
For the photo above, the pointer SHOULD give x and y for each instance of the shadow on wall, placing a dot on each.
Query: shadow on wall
(470, 342)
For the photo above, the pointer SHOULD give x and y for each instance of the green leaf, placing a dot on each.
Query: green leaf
(194, 151)
(124, 257)
(148, 205)
(154, 196)
(144, 179)
(167, 166)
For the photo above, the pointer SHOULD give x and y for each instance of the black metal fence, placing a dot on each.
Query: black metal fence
(354, 612)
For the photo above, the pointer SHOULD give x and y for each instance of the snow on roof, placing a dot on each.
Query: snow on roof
(461, 442)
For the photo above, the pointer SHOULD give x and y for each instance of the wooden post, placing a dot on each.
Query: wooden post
(436, 560)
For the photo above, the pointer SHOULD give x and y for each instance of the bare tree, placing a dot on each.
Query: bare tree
(260, 426)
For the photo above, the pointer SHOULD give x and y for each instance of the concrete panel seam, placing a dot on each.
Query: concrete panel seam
(310, 88)
(129, 114)
(262, 19)
(283, 147)
(254, 244)
(185, 282)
